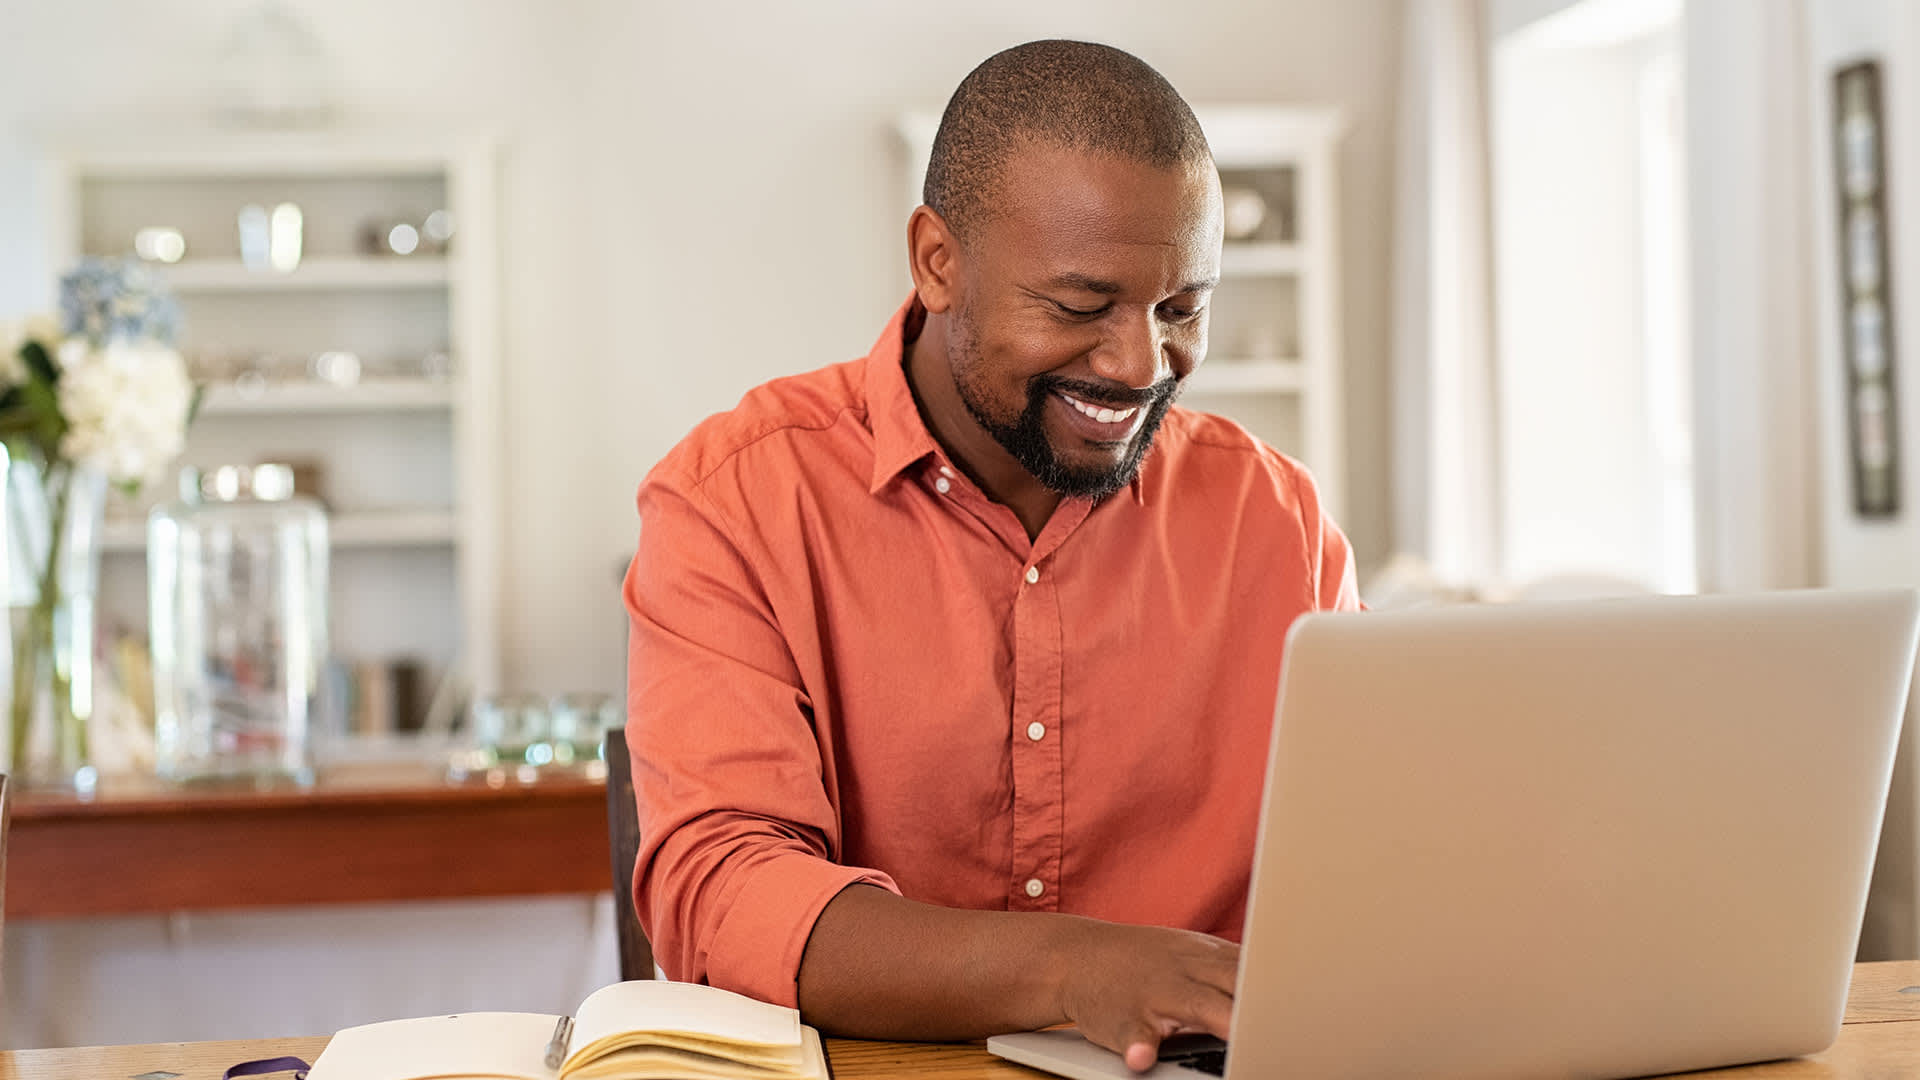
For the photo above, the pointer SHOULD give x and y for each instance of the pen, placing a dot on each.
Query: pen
(557, 1046)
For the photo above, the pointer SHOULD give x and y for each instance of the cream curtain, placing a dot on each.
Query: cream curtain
(1445, 466)
(1749, 208)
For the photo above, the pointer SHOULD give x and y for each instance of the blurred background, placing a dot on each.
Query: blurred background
(1556, 298)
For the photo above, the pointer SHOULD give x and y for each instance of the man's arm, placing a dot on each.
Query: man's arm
(879, 966)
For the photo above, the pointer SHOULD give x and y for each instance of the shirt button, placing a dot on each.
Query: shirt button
(946, 472)
(943, 485)
(1035, 887)
(1036, 731)
(1033, 575)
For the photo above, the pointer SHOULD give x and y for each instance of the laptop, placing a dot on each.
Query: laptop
(1608, 839)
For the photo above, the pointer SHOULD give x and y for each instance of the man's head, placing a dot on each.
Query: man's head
(1074, 240)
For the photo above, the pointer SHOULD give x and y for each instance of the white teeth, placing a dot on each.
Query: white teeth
(1105, 416)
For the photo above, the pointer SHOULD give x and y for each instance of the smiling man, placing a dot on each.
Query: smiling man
(953, 667)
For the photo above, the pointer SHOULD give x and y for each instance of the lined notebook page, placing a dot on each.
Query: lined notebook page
(651, 1005)
(469, 1046)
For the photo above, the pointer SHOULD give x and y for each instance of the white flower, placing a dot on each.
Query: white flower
(72, 353)
(126, 407)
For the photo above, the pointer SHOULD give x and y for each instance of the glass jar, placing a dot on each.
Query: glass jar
(237, 587)
(580, 725)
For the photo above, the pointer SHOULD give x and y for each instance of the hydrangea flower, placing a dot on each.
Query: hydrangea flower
(105, 300)
(126, 406)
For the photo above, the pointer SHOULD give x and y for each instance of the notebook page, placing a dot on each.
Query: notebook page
(654, 1062)
(495, 1046)
(651, 1005)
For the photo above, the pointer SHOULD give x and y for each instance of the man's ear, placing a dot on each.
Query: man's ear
(933, 256)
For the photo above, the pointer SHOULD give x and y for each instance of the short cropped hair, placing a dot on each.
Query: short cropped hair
(1074, 95)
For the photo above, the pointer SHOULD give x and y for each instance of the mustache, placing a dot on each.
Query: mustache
(1108, 395)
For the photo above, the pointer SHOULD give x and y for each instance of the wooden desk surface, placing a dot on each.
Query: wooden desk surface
(363, 833)
(1880, 1039)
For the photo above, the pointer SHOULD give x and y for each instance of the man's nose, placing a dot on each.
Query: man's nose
(1134, 352)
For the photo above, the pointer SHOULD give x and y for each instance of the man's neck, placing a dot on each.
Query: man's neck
(930, 376)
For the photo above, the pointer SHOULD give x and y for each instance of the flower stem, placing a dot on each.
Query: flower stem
(37, 646)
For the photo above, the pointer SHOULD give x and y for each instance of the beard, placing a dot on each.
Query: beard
(1024, 434)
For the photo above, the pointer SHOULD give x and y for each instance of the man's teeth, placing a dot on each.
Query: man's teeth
(1105, 416)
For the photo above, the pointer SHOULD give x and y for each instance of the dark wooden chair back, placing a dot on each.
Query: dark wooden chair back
(623, 838)
(4, 809)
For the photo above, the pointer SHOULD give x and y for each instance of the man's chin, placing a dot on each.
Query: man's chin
(1086, 476)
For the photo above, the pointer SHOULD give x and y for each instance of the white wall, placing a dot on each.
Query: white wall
(699, 197)
(1858, 552)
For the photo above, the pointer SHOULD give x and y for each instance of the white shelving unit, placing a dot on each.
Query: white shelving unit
(409, 459)
(355, 529)
(339, 272)
(306, 398)
(1274, 355)
(1224, 375)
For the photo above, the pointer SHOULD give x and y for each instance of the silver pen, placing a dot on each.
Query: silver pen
(557, 1046)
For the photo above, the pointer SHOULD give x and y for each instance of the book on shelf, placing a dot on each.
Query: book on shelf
(664, 1030)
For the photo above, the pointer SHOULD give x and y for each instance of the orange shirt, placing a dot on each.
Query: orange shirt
(849, 665)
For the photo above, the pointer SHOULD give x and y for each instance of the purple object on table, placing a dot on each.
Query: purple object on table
(268, 1065)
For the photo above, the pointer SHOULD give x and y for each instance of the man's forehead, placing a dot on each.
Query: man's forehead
(1050, 177)
(1056, 203)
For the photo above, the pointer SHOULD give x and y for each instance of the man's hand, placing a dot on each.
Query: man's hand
(1129, 987)
(882, 967)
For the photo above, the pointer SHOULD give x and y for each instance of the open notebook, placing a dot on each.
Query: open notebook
(672, 1031)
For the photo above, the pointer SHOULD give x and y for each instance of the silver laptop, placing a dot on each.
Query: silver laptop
(1584, 840)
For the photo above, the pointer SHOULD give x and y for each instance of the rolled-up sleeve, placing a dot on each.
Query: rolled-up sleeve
(739, 841)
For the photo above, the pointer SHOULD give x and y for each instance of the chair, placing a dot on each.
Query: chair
(3, 872)
(623, 840)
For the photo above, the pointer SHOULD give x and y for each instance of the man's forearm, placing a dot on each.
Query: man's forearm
(879, 966)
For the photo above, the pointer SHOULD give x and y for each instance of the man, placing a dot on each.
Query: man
(953, 667)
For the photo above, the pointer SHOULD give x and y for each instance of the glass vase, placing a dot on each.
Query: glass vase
(53, 515)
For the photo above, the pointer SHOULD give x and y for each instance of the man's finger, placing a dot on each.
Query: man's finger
(1220, 971)
(1210, 1009)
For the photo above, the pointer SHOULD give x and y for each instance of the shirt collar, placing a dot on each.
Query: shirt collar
(900, 436)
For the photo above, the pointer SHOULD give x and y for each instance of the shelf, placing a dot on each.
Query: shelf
(371, 272)
(352, 529)
(372, 395)
(1252, 260)
(1228, 376)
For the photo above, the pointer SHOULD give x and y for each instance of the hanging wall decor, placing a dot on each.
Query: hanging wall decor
(1866, 309)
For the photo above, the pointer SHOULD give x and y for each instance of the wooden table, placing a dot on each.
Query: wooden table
(363, 833)
(1880, 1039)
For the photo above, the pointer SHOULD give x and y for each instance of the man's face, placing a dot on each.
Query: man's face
(1082, 307)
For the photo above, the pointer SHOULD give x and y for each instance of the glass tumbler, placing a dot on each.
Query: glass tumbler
(237, 586)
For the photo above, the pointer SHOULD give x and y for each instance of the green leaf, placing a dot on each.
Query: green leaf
(39, 364)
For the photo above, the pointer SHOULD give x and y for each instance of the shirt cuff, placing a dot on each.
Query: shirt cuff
(759, 944)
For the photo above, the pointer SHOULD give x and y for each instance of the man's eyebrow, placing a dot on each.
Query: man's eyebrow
(1085, 283)
(1103, 287)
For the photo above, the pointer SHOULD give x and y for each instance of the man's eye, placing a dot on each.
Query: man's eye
(1180, 314)
(1082, 313)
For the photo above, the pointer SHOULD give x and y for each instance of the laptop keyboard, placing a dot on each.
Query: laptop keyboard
(1200, 1053)
(1211, 1062)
